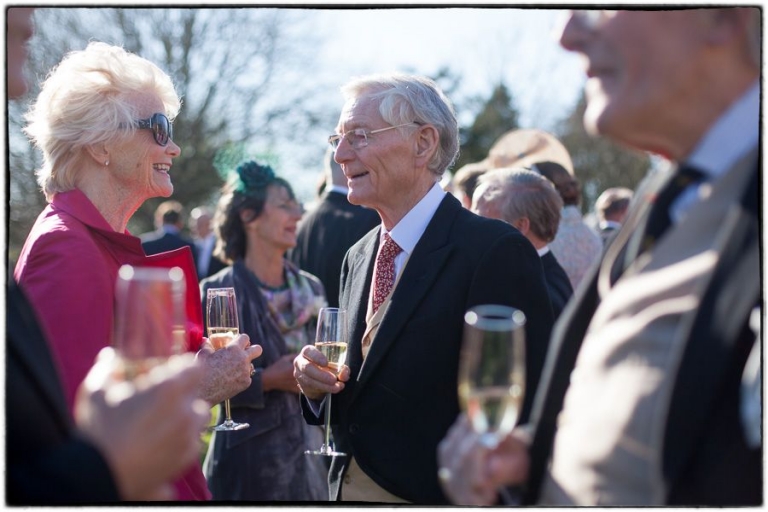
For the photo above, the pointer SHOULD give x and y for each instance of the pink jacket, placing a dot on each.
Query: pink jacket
(68, 268)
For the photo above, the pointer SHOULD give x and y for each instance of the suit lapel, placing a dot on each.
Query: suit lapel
(360, 276)
(423, 268)
(714, 341)
(571, 328)
(621, 253)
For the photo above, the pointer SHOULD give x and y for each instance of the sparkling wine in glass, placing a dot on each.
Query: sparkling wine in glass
(149, 317)
(221, 316)
(492, 370)
(331, 340)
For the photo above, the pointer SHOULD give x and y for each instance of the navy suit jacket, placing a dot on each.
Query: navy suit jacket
(325, 235)
(558, 284)
(160, 241)
(399, 404)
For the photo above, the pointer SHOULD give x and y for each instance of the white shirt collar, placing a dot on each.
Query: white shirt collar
(544, 250)
(170, 229)
(408, 231)
(338, 188)
(734, 134)
(604, 224)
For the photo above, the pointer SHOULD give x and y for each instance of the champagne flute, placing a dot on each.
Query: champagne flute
(492, 370)
(149, 317)
(221, 311)
(331, 340)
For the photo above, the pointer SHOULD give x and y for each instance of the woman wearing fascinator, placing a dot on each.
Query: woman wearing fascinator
(255, 225)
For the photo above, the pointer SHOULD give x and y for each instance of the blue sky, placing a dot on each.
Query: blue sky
(515, 44)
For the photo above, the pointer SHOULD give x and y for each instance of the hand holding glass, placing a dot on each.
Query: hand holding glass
(331, 340)
(149, 317)
(492, 370)
(221, 311)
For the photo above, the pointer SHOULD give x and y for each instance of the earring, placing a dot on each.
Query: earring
(106, 164)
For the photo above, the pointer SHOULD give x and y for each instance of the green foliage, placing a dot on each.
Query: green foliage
(598, 162)
(497, 116)
(229, 66)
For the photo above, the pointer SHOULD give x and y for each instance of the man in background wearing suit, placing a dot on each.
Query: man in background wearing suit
(205, 241)
(649, 396)
(169, 221)
(611, 208)
(396, 136)
(328, 231)
(529, 202)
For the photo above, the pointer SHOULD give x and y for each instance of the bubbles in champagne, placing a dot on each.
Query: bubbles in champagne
(335, 352)
(221, 336)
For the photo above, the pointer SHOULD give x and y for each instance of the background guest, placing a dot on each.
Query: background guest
(103, 123)
(205, 241)
(611, 208)
(406, 287)
(255, 223)
(464, 182)
(529, 202)
(649, 398)
(330, 229)
(169, 221)
(576, 246)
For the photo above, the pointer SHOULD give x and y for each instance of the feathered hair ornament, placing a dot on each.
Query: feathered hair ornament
(241, 172)
(251, 177)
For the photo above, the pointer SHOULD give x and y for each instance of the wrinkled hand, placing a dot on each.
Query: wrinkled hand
(314, 377)
(279, 375)
(471, 473)
(148, 430)
(227, 370)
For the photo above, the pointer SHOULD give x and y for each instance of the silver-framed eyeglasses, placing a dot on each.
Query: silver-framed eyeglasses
(358, 138)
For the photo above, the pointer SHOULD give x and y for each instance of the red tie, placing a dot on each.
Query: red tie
(384, 274)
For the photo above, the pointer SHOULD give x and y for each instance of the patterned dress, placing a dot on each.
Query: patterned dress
(577, 246)
(266, 462)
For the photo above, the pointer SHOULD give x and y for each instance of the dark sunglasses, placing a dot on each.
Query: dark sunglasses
(161, 127)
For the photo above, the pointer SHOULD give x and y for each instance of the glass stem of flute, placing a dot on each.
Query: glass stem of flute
(328, 422)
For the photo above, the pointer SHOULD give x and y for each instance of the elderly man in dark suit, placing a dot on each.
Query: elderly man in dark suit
(407, 286)
(328, 231)
(169, 220)
(529, 202)
(649, 395)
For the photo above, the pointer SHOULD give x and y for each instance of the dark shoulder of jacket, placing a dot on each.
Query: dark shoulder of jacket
(374, 232)
(477, 228)
(222, 278)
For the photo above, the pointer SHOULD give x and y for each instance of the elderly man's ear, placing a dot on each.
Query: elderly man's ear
(427, 141)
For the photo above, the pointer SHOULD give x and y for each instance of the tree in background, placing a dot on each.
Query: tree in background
(230, 66)
(598, 162)
(496, 116)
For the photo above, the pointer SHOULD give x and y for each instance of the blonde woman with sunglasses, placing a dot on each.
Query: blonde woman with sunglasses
(103, 122)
